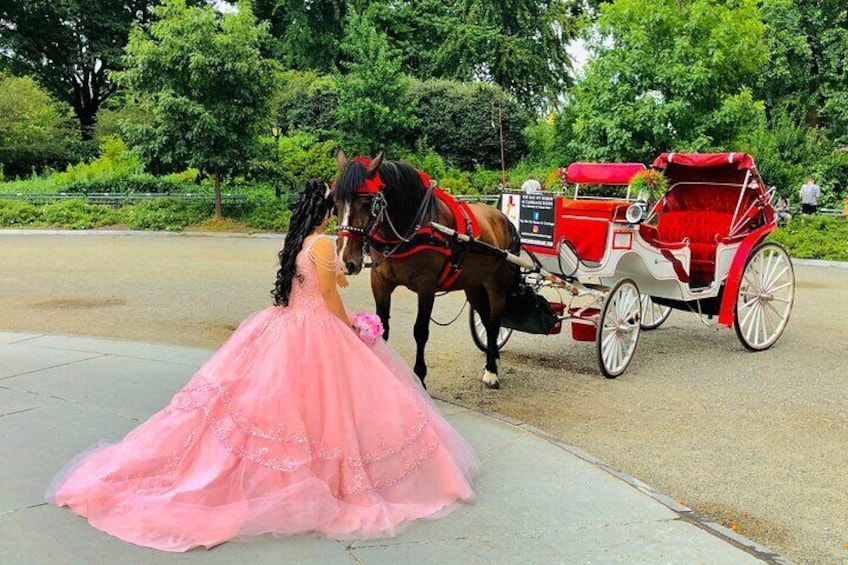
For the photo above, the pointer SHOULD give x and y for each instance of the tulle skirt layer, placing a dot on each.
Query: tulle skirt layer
(293, 426)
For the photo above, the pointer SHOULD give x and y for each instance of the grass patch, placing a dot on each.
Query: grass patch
(260, 212)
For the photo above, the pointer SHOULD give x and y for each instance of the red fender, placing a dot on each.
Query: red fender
(734, 277)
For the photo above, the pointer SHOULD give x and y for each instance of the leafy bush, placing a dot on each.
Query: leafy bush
(136, 184)
(307, 102)
(459, 121)
(115, 161)
(170, 215)
(75, 214)
(815, 237)
(264, 212)
(429, 161)
(17, 214)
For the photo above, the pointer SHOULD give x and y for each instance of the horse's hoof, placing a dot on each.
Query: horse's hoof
(490, 379)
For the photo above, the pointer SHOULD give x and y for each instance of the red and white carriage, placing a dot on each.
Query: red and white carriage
(624, 263)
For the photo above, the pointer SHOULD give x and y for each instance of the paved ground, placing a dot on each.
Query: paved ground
(756, 441)
(538, 501)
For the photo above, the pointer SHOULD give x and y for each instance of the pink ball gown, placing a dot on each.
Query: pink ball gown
(294, 425)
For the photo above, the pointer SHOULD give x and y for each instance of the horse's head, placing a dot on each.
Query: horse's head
(357, 196)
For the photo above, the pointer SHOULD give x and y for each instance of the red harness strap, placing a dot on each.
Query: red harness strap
(466, 223)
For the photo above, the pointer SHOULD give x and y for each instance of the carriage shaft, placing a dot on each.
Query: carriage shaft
(510, 257)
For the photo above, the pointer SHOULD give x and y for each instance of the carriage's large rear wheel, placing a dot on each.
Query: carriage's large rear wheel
(766, 295)
(653, 315)
(618, 328)
(479, 334)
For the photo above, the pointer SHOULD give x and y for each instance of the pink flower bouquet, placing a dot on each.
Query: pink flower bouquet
(369, 327)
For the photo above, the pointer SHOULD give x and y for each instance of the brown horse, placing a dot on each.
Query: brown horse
(384, 209)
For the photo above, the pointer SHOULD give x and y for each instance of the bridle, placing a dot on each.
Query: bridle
(375, 217)
(378, 214)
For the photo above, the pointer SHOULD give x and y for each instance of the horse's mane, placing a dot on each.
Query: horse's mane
(403, 189)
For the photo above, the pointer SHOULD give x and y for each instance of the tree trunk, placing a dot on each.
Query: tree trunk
(218, 215)
(87, 116)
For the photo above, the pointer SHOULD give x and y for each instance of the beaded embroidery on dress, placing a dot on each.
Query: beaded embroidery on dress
(293, 426)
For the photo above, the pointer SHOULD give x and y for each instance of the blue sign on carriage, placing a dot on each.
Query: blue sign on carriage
(536, 219)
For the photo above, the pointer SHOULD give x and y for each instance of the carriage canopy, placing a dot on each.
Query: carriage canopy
(603, 173)
(718, 183)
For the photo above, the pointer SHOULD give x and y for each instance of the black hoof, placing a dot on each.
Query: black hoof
(495, 385)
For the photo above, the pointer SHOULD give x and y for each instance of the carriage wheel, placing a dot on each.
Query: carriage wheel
(653, 315)
(766, 295)
(618, 328)
(479, 334)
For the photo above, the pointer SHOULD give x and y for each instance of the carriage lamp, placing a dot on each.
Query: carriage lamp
(276, 131)
(636, 213)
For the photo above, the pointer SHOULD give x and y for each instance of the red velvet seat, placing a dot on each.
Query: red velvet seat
(703, 229)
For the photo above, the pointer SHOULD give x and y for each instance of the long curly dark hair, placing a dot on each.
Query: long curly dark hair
(310, 209)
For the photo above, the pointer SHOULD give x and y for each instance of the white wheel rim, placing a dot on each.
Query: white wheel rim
(765, 298)
(653, 313)
(480, 329)
(620, 328)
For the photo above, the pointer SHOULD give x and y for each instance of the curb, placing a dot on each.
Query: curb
(820, 263)
(686, 513)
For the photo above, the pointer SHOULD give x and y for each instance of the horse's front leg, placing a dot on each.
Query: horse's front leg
(426, 298)
(382, 291)
(497, 305)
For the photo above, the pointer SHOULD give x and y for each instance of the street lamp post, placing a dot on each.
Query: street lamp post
(276, 131)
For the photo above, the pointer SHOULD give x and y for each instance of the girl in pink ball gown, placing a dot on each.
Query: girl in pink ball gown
(294, 425)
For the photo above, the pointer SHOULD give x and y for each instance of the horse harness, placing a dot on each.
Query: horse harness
(419, 237)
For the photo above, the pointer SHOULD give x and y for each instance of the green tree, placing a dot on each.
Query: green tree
(306, 101)
(461, 122)
(33, 127)
(306, 33)
(201, 79)
(666, 75)
(519, 45)
(372, 115)
(70, 47)
(807, 75)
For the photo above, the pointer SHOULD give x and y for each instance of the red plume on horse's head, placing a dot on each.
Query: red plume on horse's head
(371, 183)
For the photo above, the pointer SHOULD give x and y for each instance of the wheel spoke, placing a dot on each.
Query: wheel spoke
(781, 287)
(774, 278)
(619, 352)
(772, 263)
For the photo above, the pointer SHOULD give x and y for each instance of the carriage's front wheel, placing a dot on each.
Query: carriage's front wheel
(766, 295)
(618, 329)
(479, 334)
(653, 315)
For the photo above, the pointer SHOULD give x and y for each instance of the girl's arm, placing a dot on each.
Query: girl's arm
(323, 254)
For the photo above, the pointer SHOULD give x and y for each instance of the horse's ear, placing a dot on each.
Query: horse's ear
(375, 164)
(341, 158)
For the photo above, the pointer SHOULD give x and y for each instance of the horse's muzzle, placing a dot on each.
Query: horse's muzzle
(352, 268)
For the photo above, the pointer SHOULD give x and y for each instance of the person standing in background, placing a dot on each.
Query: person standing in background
(810, 193)
(531, 185)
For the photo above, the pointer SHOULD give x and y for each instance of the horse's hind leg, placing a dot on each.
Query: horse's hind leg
(382, 291)
(426, 298)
